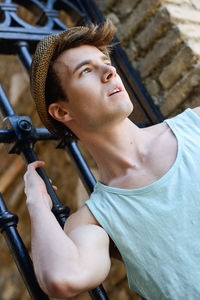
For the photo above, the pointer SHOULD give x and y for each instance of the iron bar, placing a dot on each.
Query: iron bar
(98, 293)
(79, 163)
(60, 211)
(8, 227)
(81, 166)
(43, 134)
(25, 138)
(5, 106)
(7, 136)
(24, 55)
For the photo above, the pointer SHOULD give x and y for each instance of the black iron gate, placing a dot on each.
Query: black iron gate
(18, 132)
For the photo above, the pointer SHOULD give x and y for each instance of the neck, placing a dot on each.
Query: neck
(117, 149)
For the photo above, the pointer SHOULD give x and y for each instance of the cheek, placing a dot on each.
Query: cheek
(86, 90)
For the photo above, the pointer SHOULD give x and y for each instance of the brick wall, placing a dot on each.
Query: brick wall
(162, 41)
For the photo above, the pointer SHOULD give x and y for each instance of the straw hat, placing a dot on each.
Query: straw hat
(39, 69)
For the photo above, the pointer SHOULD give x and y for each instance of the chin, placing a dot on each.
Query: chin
(127, 107)
(131, 107)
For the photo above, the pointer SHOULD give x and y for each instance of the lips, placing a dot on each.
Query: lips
(115, 90)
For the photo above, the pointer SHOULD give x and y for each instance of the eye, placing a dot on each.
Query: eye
(86, 70)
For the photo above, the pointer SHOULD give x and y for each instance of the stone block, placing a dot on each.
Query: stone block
(159, 51)
(143, 10)
(189, 31)
(195, 101)
(19, 83)
(165, 15)
(117, 272)
(152, 87)
(178, 2)
(183, 14)
(125, 7)
(11, 173)
(11, 285)
(114, 18)
(132, 51)
(195, 46)
(154, 28)
(105, 4)
(196, 4)
(179, 65)
(119, 295)
(180, 91)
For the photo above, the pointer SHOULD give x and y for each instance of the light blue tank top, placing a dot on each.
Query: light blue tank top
(157, 228)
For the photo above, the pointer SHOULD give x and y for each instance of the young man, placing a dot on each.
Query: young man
(147, 196)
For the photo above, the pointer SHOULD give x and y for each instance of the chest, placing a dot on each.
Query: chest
(161, 156)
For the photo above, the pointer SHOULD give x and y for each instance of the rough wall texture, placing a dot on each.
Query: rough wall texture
(162, 41)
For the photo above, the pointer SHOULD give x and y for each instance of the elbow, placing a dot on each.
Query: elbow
(60, 288)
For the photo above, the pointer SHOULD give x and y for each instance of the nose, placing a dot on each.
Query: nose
(109, 73)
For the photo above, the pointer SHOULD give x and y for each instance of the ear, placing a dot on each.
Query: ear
(59, 112)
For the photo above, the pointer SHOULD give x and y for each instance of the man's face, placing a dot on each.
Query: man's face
(96, 95)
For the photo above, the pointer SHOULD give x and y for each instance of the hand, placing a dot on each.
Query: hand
(35, 188)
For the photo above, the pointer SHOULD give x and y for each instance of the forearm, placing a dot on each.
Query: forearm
(55, 256)
(65, 264)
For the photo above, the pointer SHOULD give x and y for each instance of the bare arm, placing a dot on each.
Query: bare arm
(65, 263)
(197, 110)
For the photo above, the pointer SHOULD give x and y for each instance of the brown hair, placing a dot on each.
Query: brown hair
(99, 36)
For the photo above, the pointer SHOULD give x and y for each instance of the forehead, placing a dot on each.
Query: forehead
(72, 57)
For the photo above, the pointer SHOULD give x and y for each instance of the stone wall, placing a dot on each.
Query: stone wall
(162, 41)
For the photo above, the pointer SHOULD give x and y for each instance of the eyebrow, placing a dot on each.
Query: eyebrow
(88, 61)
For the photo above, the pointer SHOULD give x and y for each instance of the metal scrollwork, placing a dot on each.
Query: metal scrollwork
(14, 29)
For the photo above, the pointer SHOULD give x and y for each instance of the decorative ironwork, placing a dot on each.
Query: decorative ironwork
(8, 227)
(13, 29)
(19, 37)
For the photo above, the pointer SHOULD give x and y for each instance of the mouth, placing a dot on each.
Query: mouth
(115, 90)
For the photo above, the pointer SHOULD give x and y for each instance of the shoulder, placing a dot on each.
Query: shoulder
(196, 110)
(83, 216)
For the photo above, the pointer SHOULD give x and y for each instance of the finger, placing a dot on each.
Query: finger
(36, 164)
(25, 176)
(54, 187)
